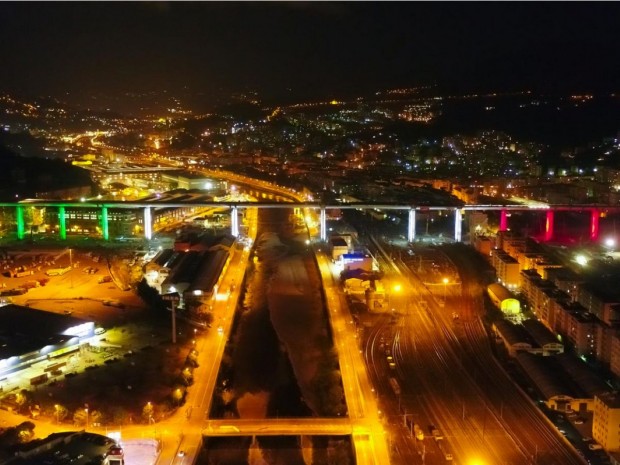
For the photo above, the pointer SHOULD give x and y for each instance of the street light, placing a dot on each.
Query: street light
(581, 260)
(397, 290)
(57, 408)
(86, 410)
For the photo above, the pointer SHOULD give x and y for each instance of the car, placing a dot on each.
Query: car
(578, 421)
(181, 453)
(220, 330)
(448, 456)
(99, 331)
(586, 439)
(595, 446)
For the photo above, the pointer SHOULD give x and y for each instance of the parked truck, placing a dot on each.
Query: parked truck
(41, 379)
(58, 271)
(21, 271)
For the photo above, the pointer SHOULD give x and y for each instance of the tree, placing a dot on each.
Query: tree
(120, 415)
(178, 394)
(192, 358)
(60, 412)
(21, 398)
(79, 417)
(25, 431)
(187, 376)
(151, 297)
(148, 413)
(96, 417)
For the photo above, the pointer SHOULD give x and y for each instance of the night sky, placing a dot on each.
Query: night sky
(306, 49)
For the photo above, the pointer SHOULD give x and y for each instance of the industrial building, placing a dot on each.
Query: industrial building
(71, 447)
(193, 274)
(503, 299)
(29, 336)
(563, 381)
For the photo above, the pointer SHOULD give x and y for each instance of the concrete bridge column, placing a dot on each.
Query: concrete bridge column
(62, 223)
(458, 223)
(503, 220)
(549, 225)
(595, 216)
(148, 224)
(19, 213)
(104, 224)
(234, 222)
(411, 226)
(323, 222)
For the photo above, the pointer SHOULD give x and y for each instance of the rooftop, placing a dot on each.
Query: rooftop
(24, 329)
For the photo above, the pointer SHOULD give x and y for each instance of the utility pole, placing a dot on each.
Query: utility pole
(71, 265)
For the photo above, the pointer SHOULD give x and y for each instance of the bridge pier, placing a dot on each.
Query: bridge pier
(19, 210)
(549, 225)
(234, 222)
(595, 216)
(458, 224)
(503, 221)
(411, 225)
(62, 223)
(148, 223)
(104, 224)
(323, 222)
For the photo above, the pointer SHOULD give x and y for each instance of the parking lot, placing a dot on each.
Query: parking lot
(577, 428)
(86, 289)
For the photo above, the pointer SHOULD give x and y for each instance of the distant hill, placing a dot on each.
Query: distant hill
(25, 177)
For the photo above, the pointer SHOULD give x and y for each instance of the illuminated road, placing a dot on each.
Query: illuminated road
(360, 395)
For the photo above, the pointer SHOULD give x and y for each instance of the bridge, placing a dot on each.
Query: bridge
(282, 427)
(147, 207)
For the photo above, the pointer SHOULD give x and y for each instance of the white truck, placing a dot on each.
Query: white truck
(58, 271)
